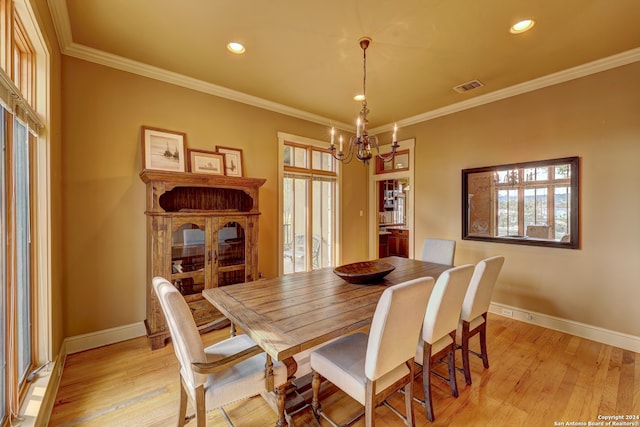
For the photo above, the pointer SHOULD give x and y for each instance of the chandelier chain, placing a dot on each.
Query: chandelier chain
(360, 145)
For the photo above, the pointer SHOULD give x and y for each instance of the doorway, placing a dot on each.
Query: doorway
(391, 209)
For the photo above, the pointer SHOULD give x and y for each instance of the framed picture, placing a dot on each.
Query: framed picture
(232, 160)
(206, 162)
(163, 149)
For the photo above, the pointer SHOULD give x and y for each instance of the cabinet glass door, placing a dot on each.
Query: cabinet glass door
(231, 252)
(188, 257)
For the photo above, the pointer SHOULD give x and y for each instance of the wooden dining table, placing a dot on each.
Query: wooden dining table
(289, 314)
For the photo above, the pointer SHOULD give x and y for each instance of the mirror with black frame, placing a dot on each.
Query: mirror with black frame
(531, 203)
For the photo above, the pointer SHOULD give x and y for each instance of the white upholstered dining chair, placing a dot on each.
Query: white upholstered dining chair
(438, 336)
(225, 372)
(372, 367)
(473, 317)
(440, 251)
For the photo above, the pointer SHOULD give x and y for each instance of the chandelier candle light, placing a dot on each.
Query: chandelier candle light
(360, 144)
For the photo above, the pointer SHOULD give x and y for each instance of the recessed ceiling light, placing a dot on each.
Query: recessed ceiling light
(522, 26)
(235, 47)
(358, 97)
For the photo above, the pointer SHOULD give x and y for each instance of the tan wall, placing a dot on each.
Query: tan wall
(596, 118)
(104, 252)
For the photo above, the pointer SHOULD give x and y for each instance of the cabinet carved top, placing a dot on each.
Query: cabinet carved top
(189, 192)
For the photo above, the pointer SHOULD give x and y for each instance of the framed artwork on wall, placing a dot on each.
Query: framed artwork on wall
(206, 162)
(163, 149)
(232, 160)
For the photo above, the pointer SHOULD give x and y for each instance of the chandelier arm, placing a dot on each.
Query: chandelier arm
(384, 157)
(389, 156)
(341, 156)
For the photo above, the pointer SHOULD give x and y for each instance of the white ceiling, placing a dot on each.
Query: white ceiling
(303, 57)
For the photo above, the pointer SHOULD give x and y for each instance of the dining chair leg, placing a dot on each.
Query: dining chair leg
(201, 413)
(408, 396)
(369, 407)
(315, 400)
(483, 342)
(452, 370)
(182, 411)
(426, 380)
(465, 352)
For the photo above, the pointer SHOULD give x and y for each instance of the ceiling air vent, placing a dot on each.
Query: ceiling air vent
(466, 87)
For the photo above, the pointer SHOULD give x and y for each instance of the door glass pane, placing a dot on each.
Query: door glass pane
(288, 155)
(231, 254)
(23, 245)
(300, 157)
(231, 244)
(321, 160)
(188, 258)
(295, 224)
(401, 161)
(323, 217)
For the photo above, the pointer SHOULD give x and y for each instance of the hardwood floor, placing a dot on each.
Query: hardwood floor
(538, 377)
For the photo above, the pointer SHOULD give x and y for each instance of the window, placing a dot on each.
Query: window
(23, 64)
(529, 197)
(22, 233)
(24, 205)
(400, 162)
(309, 205)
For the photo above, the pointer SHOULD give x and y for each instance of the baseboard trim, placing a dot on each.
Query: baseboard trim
(91, 340)
(605, 336)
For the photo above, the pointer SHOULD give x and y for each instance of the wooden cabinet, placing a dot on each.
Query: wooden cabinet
(398, 242)
(383, 245)
(202, 232)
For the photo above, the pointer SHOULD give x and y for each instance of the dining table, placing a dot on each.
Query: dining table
(290, 314)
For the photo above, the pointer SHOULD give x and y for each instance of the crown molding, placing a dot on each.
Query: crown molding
(62, 26)
(61, 23)
(583, 70)
(120, 63)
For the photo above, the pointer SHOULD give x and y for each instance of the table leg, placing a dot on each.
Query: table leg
(277, 398)
(281, 394)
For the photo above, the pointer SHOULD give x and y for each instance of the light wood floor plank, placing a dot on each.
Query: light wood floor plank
(537, 377)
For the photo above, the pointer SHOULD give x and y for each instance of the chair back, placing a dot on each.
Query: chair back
(395, 328)
(185, 336)
(443, 311)
(478, 297)
(440, 251)
(539, 231)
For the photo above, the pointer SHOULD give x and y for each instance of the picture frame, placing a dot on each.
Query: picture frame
(163, 149)
(208, 162)
(232, 160)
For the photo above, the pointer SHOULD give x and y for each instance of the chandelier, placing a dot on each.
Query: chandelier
(360, 145)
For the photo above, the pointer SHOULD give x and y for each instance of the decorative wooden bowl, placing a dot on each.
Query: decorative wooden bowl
(364, 271)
